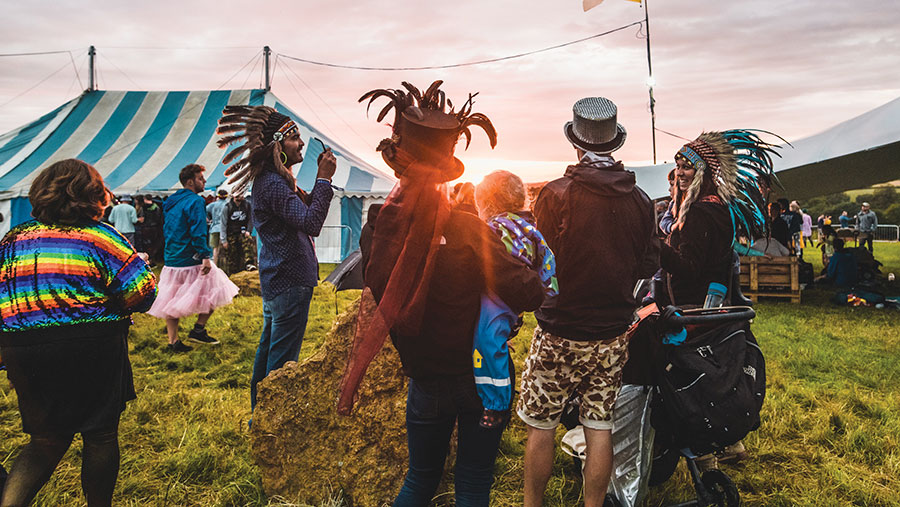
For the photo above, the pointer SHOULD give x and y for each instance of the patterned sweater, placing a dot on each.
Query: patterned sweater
(56, 275)
(286, 225)
(525, 242)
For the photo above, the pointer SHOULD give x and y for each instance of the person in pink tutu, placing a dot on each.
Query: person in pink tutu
(190, 283)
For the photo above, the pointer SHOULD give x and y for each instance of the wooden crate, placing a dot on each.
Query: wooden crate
(776, 277)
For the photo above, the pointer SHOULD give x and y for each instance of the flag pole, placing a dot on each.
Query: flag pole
(650, 81)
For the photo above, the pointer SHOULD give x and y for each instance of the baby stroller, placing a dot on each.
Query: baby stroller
(694, 384)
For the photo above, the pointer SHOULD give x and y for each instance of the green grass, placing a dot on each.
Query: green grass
(830, 433)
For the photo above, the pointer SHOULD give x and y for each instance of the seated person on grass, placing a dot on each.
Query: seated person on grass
(842, 269)
(826, 243)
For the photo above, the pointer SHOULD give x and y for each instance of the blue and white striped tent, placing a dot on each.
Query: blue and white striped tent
(139, 141)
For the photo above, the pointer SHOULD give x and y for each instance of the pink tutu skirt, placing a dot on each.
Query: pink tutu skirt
(185, 291)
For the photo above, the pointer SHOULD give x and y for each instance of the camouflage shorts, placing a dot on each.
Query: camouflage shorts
(557, 367)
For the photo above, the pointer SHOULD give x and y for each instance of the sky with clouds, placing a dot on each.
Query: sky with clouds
(792, 67)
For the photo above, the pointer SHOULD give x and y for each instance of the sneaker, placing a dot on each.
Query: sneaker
(202, 337)
(734, 453)
(706, 463)
(179, 347)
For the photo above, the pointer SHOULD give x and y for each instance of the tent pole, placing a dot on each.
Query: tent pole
(91, 53)
(267, 52)
(650, 82)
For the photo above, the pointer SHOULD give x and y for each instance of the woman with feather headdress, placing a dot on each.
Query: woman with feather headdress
(285, 217)
(721, 180)
(720, 177)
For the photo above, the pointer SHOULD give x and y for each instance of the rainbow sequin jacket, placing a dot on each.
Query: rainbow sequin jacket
(56, 275)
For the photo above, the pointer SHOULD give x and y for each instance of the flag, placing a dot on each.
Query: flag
(590, 4)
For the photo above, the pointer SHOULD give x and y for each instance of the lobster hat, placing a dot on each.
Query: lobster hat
(425, 132)
(594, 128)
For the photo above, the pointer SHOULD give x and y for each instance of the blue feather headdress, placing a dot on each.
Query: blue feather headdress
(736, 165)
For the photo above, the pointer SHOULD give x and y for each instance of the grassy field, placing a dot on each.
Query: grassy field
(830, 433)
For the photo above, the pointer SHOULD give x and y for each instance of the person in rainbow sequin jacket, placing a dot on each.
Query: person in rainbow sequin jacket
(68, 285)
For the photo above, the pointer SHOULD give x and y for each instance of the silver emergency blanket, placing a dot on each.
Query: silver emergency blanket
(632, 438)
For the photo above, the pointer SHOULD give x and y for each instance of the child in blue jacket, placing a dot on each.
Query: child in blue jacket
(497, 323)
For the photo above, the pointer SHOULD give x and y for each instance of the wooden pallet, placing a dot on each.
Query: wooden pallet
(778, 277)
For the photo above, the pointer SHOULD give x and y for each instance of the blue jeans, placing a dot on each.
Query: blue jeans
(284, 322)
(432, 409)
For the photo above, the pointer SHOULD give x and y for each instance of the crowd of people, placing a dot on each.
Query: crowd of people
(451, 331)
(64, 345)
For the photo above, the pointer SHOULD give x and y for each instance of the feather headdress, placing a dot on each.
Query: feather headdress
(736, 166)
(262, 129)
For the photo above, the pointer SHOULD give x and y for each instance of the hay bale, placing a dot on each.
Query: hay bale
(306, 451)
(247, 282)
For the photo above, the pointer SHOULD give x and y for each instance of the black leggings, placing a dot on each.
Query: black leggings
(35, 464)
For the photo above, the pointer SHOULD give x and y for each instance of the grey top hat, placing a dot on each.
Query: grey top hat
(594, 127)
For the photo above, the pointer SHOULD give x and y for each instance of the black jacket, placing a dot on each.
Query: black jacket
(237, 217)
(699, 252)
(781, 232)
(471, 261)
(602, 229)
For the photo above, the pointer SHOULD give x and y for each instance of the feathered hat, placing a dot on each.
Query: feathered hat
(263, 129)
(733, 165)
(425, 132)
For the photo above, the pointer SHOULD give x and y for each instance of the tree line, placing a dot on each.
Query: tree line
(884, 201)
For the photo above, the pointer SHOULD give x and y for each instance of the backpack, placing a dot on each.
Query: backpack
(710, 389)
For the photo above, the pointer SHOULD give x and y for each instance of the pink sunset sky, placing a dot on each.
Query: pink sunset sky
(791, 67)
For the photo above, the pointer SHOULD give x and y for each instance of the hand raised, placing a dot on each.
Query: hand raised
(327, 164)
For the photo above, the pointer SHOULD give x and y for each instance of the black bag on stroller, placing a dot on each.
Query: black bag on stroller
(709, 390)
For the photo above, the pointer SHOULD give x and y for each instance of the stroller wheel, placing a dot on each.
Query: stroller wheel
(722, 488)
(663, 466)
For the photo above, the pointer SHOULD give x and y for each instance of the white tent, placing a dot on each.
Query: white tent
(139, 141)
(856, 153)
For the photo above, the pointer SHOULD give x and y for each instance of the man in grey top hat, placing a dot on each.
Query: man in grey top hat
(601, 227)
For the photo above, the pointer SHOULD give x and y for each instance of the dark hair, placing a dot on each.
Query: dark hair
(774, 206)
(190, 172)
(68, 192)
(838, 244)
(372, 215)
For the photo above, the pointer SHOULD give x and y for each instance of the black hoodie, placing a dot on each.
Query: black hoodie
(601, 227)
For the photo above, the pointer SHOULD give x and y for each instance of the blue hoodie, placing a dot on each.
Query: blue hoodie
(185, 230)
